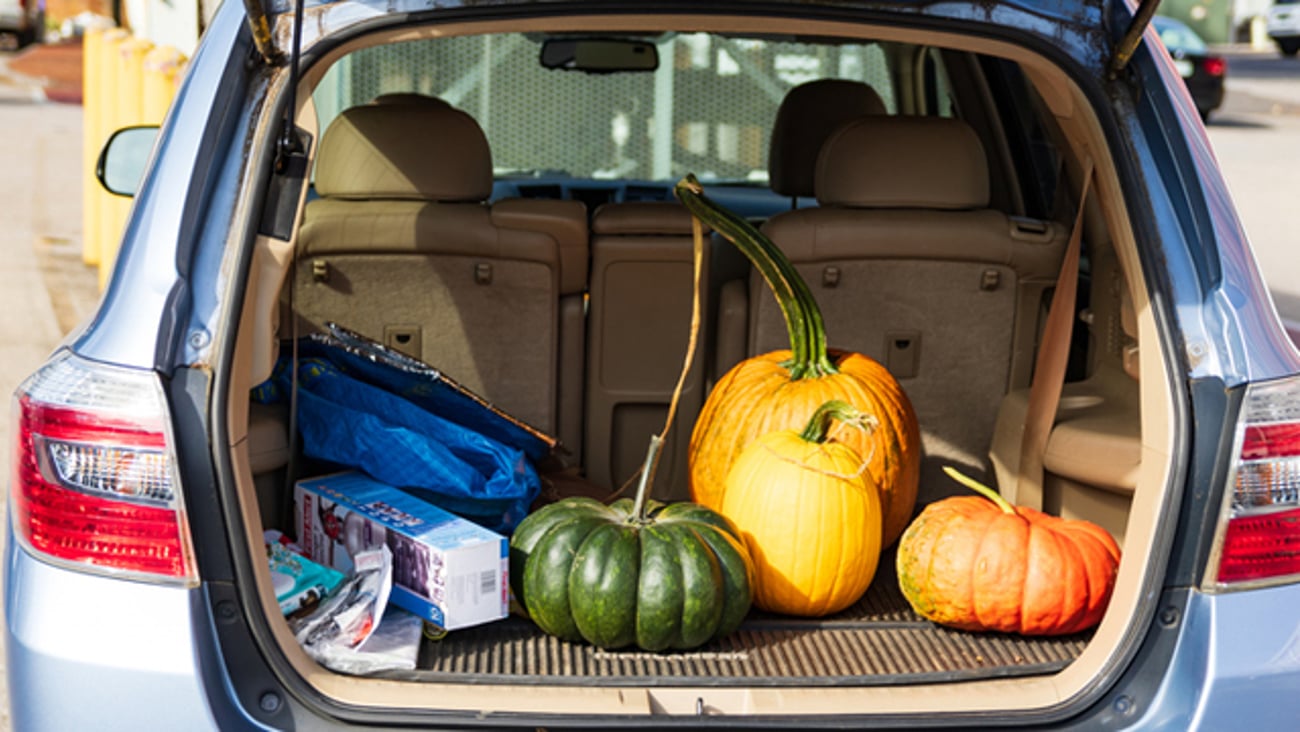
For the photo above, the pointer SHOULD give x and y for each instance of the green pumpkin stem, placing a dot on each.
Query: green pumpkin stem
(980, 488)
(803, 318)
(647, 479)
(820, 424)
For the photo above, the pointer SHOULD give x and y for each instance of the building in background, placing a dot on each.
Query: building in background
(1221, 21)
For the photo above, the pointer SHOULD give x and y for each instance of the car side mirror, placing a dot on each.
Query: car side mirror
(121, 163)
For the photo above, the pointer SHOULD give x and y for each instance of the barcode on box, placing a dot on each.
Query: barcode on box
(487, 582)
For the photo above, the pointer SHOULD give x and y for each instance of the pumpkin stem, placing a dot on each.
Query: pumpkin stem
(980, 488)
(647, 478)
(803, 318)
(820, 424)
(656, 441)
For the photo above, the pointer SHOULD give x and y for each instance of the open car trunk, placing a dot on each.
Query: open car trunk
(616, 318)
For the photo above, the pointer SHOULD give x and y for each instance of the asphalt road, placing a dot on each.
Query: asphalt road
(1256, 137)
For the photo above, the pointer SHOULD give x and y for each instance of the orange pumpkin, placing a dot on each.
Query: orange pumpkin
(982, 564)
(777, 391)
(809, 515)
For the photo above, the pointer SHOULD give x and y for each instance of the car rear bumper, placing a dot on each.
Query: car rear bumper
(1207, 93)
(1284, 24)
(1235, 665)
(83, 649)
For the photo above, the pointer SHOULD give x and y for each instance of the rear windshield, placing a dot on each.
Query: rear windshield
(707, 109)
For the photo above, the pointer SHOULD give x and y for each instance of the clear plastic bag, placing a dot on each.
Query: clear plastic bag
(347, 617)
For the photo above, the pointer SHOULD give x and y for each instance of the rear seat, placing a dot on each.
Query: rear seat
(912, 268)
(402, 247)
(638, 327)
(808, 115)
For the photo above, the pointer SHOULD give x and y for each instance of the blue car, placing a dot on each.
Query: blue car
(1010, 206)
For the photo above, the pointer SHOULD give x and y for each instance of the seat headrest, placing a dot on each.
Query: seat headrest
(903, 162)
(430, 152)
(809, 113)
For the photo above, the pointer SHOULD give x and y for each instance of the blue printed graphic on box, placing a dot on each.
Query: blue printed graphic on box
(446, 569)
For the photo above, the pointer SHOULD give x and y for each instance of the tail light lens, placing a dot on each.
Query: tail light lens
(1214, 66)
(1261, 537)
(94, 483)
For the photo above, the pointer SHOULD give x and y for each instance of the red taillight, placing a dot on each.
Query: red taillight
(94, 480)
(1214, 66)
(1261, 539)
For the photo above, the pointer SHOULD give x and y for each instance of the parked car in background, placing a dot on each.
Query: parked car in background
(1203, 72)
(24, 20)
(489, 187)
(1283, 26)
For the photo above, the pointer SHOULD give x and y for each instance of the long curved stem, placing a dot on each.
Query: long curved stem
(979, 488)
(803, 317)
(651, 465)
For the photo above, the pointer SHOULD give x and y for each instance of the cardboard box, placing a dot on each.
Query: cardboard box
(447, 570)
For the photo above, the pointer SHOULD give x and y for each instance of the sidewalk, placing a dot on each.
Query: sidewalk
(53, 72)
(40, 242)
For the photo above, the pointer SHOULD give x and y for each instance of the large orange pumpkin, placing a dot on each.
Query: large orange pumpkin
(809, 516)
(982, 564)
(778, 390)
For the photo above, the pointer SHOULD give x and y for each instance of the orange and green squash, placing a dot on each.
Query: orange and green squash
(809, 514)
(778, 390)
(980, 563)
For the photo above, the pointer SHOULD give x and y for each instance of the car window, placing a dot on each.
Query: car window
(1021, 111)
(719, 96)
(937, 87)
(1178, 37)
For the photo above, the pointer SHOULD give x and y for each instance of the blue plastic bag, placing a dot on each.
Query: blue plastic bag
(345, 420)
(424, 386)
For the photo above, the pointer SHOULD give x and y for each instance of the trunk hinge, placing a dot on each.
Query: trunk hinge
(1129, 43)
(291, 142)
(290, 165)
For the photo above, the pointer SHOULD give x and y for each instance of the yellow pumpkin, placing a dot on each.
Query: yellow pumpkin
(776, 391)
(809, 514)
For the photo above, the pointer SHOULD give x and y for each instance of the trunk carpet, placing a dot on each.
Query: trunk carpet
(877, 641)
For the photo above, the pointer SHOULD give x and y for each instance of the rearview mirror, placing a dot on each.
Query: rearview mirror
(121, 163)
(599, 55)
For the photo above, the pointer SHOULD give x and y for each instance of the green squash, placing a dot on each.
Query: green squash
(652, 575)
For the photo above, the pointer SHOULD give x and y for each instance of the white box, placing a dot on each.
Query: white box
(446, 569)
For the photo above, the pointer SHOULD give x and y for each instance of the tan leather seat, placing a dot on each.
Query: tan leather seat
(912, 268)
(808, 114)
(638, 327)
(402, 246)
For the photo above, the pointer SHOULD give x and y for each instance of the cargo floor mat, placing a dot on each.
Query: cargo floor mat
(877, 641)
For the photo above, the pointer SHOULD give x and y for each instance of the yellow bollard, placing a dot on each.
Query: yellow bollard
(162, 67)
(92, 195)
(128, 89)
(131, 56)
(104, 77)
